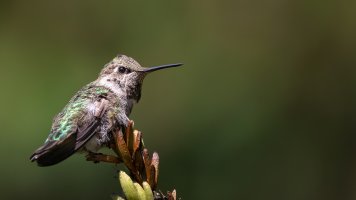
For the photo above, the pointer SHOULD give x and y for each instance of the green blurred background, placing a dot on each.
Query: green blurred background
(264, 107)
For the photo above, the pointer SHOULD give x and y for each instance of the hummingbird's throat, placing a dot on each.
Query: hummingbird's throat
(128, 87)
(111, 83)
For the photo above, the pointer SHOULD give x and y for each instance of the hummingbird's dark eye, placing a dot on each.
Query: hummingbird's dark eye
(122, 69)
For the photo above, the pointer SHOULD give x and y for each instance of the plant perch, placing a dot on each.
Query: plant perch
(143, 169)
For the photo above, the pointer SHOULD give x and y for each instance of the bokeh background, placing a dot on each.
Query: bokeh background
(264, 107)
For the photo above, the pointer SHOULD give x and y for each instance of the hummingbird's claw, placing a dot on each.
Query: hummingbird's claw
(99, 157)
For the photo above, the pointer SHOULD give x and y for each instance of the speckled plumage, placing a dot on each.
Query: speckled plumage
(77, 108)
(87, 121)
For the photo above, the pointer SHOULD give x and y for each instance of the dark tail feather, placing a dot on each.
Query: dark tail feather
(50, 155)
(54, 152)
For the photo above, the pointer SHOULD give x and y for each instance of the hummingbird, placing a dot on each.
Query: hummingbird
(86, 123)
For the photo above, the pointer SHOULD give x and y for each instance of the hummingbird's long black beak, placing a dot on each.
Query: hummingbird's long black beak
(151, 69)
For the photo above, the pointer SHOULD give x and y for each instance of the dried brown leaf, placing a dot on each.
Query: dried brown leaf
(125, 154)
(155, 163)
(147, 163)
(136, 141)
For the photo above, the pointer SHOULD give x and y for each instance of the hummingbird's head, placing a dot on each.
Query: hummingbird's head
(124, 75)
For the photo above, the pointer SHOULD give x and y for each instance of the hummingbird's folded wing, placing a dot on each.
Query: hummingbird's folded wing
(87, 130)
(70, 132)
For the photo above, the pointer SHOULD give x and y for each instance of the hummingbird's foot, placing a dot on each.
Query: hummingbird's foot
(99, 157)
